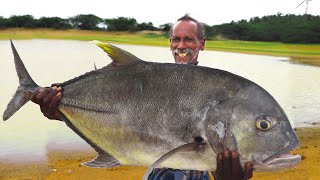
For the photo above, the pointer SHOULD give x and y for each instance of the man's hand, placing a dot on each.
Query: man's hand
(48, 99)
(229, 168)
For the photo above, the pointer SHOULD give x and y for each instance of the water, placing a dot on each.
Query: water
(28, 136)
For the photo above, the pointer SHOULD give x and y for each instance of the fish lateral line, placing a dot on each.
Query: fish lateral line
(88, 109)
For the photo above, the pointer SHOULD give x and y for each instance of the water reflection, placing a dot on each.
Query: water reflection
(28, 136)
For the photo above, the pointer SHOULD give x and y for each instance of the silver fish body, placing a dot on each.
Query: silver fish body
(133, 112)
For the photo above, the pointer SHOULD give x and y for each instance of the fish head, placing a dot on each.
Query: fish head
(256, 127)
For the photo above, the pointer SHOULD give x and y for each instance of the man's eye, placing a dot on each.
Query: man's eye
(188, 39)
(175, 40)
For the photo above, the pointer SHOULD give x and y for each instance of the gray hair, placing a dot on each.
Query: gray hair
(200, 28)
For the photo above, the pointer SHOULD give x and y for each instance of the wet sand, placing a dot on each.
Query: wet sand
(66, 165)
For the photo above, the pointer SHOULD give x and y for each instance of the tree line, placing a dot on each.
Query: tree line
(288, 28)
(82, 22)
(274, 28)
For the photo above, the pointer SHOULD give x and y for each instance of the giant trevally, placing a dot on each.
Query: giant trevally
(179, 116)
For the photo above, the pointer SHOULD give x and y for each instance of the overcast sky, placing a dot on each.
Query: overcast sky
(159, 12)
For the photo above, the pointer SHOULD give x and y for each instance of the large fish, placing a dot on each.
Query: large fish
(135, 112)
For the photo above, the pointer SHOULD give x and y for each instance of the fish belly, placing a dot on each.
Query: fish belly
(132, 146)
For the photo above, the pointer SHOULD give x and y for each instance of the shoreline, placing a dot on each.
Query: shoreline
(66, 164)
(297, 53)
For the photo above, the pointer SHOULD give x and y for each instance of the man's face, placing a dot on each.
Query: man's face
(184, 42)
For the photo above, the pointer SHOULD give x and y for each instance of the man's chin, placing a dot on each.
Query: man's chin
(183, 60)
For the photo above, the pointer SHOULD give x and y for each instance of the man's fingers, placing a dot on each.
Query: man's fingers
(55, 101)
(219, 164)
(235, 163)
(248, 170)
(33, 97)
(229, 167)
(48, 99)
(53, 107)
(53, 92)
(43, 93)
(226, 163)
(57, 115)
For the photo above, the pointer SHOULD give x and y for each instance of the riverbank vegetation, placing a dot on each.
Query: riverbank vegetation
(300, 53)
(293, 36)
(288, 28)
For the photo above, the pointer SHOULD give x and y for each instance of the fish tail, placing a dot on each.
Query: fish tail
(25, 89)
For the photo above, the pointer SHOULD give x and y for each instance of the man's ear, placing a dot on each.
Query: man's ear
(203, 43)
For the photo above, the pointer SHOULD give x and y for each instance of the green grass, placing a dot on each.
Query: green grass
(302, 53)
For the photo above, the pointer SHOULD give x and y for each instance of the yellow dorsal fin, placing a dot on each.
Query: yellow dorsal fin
(119, 56)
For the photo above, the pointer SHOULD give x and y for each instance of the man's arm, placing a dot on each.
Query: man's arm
(48, 99)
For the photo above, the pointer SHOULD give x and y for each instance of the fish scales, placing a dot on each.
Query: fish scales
(142, 101)
(129, 102)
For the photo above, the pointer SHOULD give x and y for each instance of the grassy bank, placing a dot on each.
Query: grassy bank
(300, 53)
(66, 165)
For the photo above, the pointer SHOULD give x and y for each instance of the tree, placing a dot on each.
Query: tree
(165, 27)
(146, 26)
(209, 31)
(280, 28)
(86, 22)
(3, 22)
(121, 24)
(53, 22)
(254, 20)
(21, 21)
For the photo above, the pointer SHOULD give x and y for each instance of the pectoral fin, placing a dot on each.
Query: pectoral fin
(102, 161)
(195, 146)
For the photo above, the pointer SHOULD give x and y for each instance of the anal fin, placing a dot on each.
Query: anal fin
(102, 161)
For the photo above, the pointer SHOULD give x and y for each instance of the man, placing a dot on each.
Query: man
(186, 40)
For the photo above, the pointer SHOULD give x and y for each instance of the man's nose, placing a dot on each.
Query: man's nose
(181, 44)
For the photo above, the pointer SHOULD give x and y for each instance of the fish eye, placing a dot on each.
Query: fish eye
(263, 123)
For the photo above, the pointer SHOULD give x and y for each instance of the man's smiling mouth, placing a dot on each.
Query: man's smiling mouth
(182, 54)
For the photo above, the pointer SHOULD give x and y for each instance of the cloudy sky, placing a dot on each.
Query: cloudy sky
(158, 12)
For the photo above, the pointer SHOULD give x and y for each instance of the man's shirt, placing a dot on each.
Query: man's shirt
(176, 174)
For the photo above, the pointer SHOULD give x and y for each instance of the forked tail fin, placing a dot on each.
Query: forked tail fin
(25, 89)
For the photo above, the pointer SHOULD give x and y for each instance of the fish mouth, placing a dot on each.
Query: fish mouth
(283, 161)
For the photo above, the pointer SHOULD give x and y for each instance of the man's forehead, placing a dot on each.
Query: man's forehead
(184, 27)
